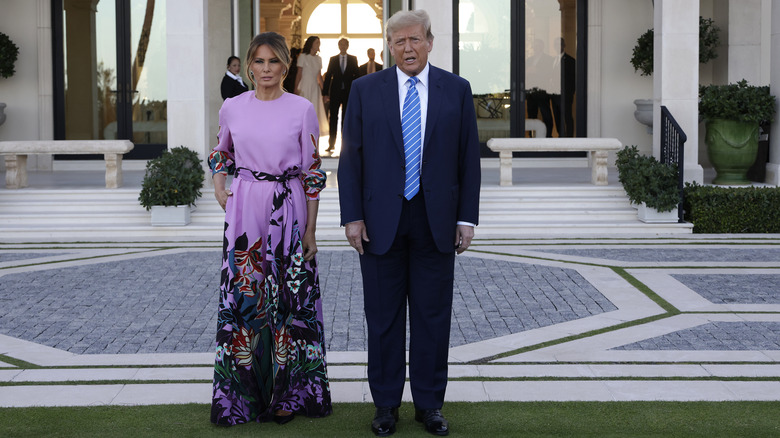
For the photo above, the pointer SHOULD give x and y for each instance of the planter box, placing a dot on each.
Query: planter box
(170, 216)
(652, 216)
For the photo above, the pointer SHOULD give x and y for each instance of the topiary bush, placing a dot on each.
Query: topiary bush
(709, 39)
(732, 209)
(9, 52)
(174, 178)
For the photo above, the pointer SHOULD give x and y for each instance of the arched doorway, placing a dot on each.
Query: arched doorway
(357, 20)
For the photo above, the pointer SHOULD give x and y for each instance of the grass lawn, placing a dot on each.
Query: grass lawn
(499, 419)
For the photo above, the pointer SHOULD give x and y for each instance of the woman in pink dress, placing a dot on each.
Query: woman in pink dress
(270, 360)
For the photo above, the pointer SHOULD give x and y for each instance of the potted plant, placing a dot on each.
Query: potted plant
(732, 115)
(642, 61)
(171, 186)
(650, 185)
(9, 52)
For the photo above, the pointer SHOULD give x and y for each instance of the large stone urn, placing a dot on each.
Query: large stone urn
(732, 147)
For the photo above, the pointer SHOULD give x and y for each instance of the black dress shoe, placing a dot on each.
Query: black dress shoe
(384, 421)
(433, 420)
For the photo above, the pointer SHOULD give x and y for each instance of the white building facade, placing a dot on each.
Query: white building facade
(163, 88)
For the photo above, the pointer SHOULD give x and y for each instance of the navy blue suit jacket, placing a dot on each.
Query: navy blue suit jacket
(371, 172)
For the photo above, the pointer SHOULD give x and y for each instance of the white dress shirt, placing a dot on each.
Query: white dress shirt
(236, 77)
(422, 92)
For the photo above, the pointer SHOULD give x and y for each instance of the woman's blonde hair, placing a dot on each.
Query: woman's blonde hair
(278, 45)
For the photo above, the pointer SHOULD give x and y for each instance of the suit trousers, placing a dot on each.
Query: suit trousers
(336, 101)
(563, 123)
(412, 272)
(541, 104)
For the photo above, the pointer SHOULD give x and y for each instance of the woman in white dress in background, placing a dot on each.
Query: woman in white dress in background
(308, 80)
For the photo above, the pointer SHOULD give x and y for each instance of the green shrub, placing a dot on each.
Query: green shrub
(740, 101)
(8, 55)
(647, 180)
(732, 209)
(709, 39)
(175, 178)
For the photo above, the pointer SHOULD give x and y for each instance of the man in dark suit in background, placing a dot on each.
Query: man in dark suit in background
(342, 70)
(538, 69)
(562, 87)
(409, 177)
(371, 66)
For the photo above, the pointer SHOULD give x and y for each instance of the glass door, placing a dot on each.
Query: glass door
(550, 67)
(485, 60)
(110, 76)
(521, 60)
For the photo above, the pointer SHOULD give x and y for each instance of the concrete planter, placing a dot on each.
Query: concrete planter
(650, 215)
(644, 113)
(176, 216)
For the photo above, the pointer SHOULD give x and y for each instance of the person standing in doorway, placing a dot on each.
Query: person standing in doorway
(563, 82)
(342, 70)
(409, 177)
(371, 66)
(308, 79)
(538, 69)
(232, 85)
(292, 75)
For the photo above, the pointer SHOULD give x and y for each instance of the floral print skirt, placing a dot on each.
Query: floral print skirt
(270, 342)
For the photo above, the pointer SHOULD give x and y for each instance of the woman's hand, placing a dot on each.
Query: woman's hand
(309, 245)
(220, 192)
(222, 197)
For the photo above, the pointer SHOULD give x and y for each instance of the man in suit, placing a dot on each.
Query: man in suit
(371, 66)
(562, 86)
(409, 177)
(342, 70)
(538, 68)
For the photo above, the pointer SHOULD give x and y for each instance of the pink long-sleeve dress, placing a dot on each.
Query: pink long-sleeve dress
(270, 343)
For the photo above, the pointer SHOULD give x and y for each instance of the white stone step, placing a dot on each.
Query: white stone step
(100, 214)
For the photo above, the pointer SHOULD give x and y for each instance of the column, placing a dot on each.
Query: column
(676, 75)
(773, 166)
(744, 41)
(219, 47)
(187, 69)
(441, 27)
(595, 28)
(45, 83)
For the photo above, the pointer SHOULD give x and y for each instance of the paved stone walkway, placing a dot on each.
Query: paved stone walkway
(536, 309)
(167, 303)
(704, 253)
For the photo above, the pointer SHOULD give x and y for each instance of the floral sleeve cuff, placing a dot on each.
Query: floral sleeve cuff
(219, 162)
(313, 183)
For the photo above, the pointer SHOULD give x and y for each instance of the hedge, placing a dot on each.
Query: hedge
(732, 210)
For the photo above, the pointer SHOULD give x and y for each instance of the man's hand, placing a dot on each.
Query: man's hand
(356, 234)
(463, 236)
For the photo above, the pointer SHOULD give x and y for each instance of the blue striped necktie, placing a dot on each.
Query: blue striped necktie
(411, 127)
